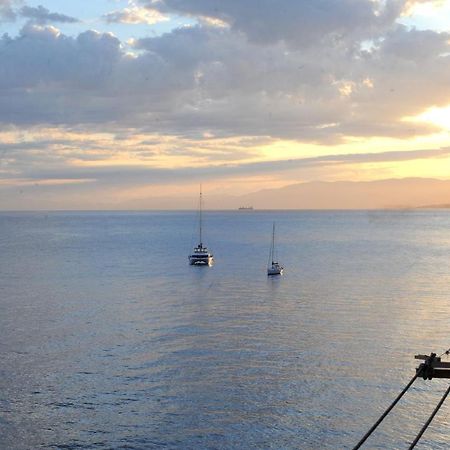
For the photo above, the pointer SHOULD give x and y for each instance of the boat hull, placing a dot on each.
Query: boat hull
(271, 273)
(276, 269)
(195, 260)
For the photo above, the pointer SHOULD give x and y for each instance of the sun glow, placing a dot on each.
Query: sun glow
(427, 15)
(436, 116)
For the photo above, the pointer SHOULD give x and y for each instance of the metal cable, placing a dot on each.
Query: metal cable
(388, 410)
(427, 423)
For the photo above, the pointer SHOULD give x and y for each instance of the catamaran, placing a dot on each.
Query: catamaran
(200, 256)
(273, 266)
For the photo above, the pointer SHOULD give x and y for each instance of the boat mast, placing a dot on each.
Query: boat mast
(273, 241)
(200, 230)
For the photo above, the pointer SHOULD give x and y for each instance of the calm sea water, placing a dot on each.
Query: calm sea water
(109, 339)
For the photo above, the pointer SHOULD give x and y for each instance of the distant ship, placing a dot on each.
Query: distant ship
(273, 266)
(200, 255)
(245, 208)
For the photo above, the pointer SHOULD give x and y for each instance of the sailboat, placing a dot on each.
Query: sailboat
(273, 266)
(200, 256)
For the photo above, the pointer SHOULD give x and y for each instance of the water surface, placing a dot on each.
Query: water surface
(109, 339)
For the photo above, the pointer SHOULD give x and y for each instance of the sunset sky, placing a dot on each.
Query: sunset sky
(108, 103)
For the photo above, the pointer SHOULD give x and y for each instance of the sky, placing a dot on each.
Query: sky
(113, 103)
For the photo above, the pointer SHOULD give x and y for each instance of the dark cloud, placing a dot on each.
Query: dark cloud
(42, 15)
(414, 45)
(299, 22)
(408, 71)
(47, 77)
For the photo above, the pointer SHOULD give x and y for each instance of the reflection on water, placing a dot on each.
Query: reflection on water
(110, 339)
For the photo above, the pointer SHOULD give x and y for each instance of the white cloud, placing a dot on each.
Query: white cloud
(135, 15)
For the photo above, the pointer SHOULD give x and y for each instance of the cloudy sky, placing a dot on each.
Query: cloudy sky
(108, 103)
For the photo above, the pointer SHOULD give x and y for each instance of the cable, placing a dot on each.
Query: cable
(416, 440)
(375, 425)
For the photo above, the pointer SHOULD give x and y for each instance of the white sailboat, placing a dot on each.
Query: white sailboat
(273, 266)
(200, 256)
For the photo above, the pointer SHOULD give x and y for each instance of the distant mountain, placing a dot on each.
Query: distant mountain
(435, 207)
(392, 193)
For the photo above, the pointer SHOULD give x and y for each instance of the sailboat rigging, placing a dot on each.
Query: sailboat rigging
(200, 255)
(273, 266)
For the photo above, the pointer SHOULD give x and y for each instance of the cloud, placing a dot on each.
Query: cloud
(7, 10)
(205, 80)
(214, 97)
(53, 171)
(135, 15)
(410, 5)
(52, 74)
(24, 154)
(139, 174)
(42, 16)
(299, 23)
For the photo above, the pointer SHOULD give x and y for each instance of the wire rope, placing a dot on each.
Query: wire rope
(388, 410)
(427, 423)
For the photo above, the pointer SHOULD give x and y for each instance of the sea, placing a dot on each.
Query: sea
(109, 339)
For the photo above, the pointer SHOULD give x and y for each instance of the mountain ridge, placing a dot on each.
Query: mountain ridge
(391, 193)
